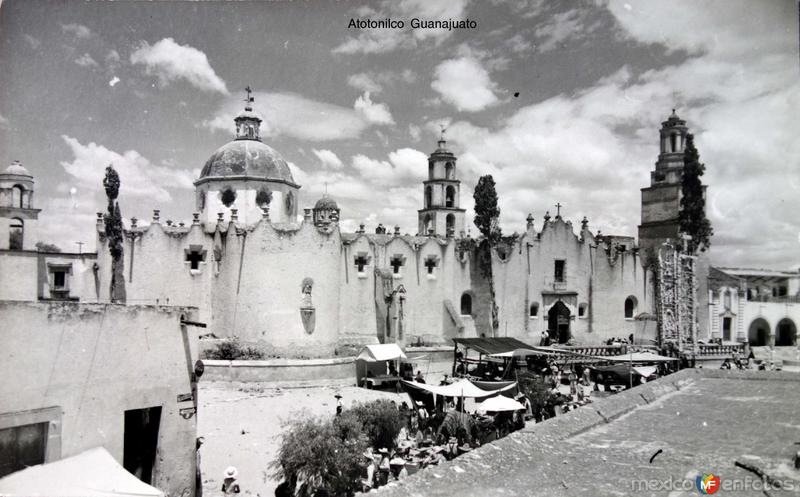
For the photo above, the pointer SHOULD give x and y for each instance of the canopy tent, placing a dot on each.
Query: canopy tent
(490, 346)
(461, 388)
(523, 353)
(637, 357)
(381, 352)
(500, 403)
(93, 473)
(645, 371)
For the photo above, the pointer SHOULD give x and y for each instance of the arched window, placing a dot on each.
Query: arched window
(428, 197)
(427, 224)
(630, 307)
(448, 171)
(16, 196)
(673, 141)
(450, 196)
(466, 304)
(430, 170)
(15, 234)
(534, 310)
(450, 223)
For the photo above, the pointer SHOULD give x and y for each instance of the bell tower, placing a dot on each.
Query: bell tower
(440, 213)
(661, 201)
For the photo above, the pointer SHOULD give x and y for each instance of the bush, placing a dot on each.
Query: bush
(380, 421)
(322, 454)
(231, 350)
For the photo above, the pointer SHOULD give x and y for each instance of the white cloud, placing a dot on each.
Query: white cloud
(77, 30)
(464, 83)
(140, 177)
(86, 60)
(293, 115)
(3, 122)
(170, 62)
(373, 112)
(518, 44)
(414, 132)
(374, 82)
(569, 25)
(374, 41)
(404, 165)
(364, 82)
(329, 159)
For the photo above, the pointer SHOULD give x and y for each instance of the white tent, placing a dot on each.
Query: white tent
(381, 352)
(637, 357)
(500, 403)
(461, 388)
(93, 473)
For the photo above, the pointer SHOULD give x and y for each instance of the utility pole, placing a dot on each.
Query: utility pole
(80, 247)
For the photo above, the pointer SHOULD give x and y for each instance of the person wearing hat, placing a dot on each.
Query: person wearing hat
(384, 468)
(368, 483)
(229, 484)
(339, 405)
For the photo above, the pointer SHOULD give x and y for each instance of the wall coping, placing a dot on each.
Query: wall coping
(278, 363)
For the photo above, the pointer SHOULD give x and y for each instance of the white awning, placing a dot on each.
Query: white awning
(523, 353)
(381, 352)
(645, 371)
(93, 473)
(500, 403)
(461, 388)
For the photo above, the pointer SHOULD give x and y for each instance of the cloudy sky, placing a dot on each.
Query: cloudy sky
(152, 86)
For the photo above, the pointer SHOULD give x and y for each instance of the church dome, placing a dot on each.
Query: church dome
(326, 202)
(247, 158)
(16, 168)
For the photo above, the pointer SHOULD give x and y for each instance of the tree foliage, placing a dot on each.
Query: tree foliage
(692, 213)
(487, 216)
(487, 213)
(114, 235)
(321, 454)
(47, 247)
(380, 420)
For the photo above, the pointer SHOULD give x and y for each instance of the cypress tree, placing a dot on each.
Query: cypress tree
(114, 235)
(487, 215)
(692, 215)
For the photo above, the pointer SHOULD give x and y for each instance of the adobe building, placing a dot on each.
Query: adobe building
(297, 286)
(79, 376)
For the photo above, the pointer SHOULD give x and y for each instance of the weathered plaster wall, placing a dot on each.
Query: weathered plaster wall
(18, 275)
(593, 276)
(95, 361)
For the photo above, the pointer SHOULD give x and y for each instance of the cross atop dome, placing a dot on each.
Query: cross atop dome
(248, 123)
(249, 99)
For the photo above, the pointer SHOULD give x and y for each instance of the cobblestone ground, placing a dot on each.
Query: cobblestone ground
(703, 428)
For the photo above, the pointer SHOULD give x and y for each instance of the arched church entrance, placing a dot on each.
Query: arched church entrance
(558, 322)
(758, 334)
(785, 333)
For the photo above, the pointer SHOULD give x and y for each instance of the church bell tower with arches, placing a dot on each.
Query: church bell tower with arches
(440, 213)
